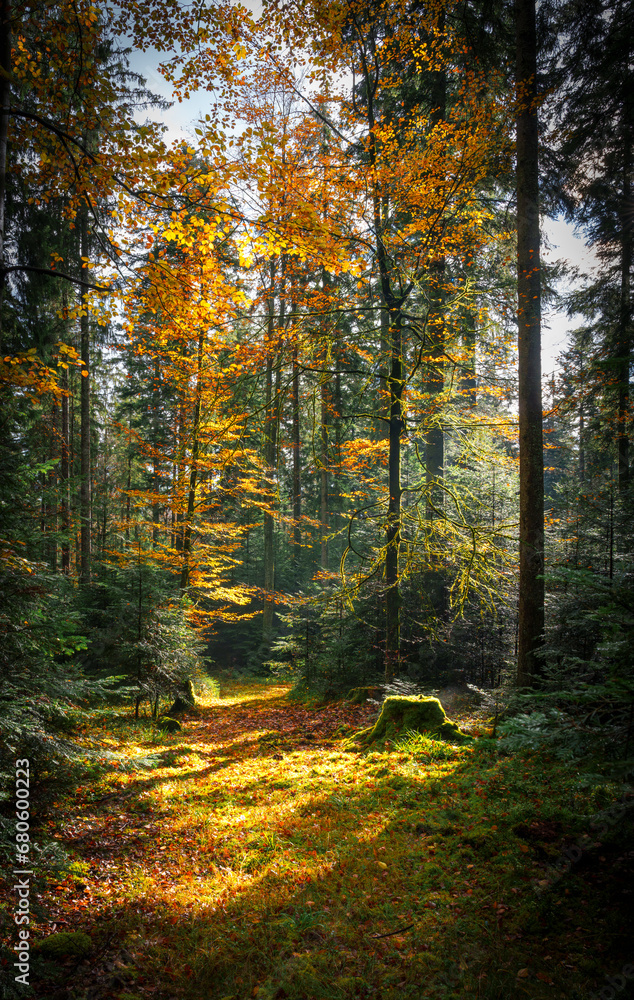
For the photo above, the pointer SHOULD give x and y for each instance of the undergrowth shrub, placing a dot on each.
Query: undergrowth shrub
(139, 629)
(44, 685)
(583, 705)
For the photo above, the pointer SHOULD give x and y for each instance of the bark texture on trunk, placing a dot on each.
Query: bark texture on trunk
(324, 437)
(85, 514)
(434, 437)
(64, 475)
(624, 346)
(582, 425)
(188, 527)
(392, 331)
(469, 377)
(393, 532)
(297, 483)
(531, 583)
(270, 449)
(53, 486)
(156, 468)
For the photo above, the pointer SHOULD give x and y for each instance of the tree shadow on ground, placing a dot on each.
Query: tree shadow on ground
(344, 889)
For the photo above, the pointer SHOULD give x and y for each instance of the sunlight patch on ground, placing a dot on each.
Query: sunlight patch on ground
(239, 868)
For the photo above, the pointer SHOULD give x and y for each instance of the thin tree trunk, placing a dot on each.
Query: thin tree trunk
(270, 446)
(469, 378)
(611, 531)
(582, 425)
(180, 476)
(323, 474)
(193, 471)
(85, 470)
(139, 621)
(297, 484)
(74, 471)
(53, 480)
(434, 439)
(65, 475)
(625, 312)
(531, 583)
(336, 408)
(104, 530)
(395, 386)
(393, 532)
(128, 498)
(383, 408)
(156, 509)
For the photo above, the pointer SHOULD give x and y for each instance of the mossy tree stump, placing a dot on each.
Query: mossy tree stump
(185, 699)
(65, 944)
(418, 713)
(169, 725)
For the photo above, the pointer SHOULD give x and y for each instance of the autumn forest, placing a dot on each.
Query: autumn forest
(288, 505)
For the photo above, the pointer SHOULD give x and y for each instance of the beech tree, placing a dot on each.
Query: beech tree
(405, 219)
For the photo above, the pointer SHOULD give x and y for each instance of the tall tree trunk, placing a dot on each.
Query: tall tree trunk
(336, 409)
(85, 470)
(469, 377)
(128, 497)
(104, 523)
(531, 583)
(74, 469)
(582, 423)
(179, 482)
(53, 481)
(324, 430)
(297, 484)
(323, 473)
(383, 409)
(156, 509)
(193, 469)
(395, 387)
(625, 317)
(393, 533)
(65, 475)
(270, 448)
(434, 439)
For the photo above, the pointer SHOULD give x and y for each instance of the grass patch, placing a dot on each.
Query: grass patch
(261, 858)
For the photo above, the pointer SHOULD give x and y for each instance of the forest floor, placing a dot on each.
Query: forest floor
(258, 856)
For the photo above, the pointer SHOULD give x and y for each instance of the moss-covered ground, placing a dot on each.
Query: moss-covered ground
(263, 856)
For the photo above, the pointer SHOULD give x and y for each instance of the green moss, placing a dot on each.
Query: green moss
(359, 695)
(298, 978)
(352, 986)
(169, 725)
(420, 714)
(186, 700)
(66, 944)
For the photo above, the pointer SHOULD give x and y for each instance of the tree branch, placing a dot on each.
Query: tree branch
(53, 274)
